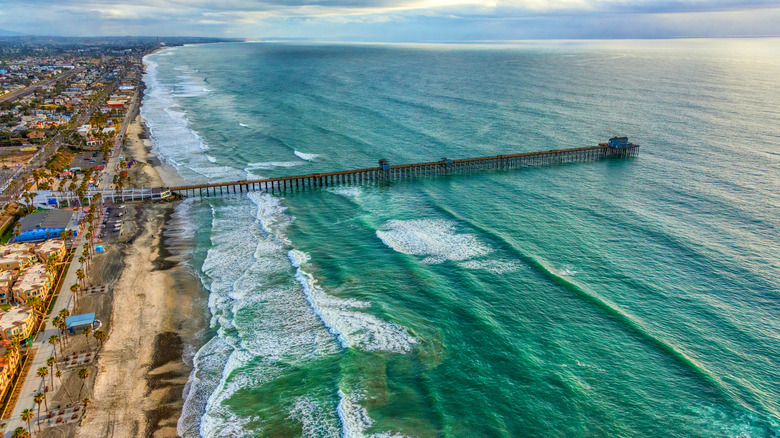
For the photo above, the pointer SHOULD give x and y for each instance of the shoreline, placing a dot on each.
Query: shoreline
(159, 315)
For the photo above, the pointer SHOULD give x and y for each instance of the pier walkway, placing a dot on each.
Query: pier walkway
(386, 172)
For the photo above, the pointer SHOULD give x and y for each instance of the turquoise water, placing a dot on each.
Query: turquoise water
(635, 297)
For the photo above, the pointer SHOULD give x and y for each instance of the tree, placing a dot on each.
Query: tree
(19, 432)
(42, 373)
(54, 340)
(85, 402)
(28, 199)
(51, 361)
(38, 399)
(80, 274)
(87, 332)
(99, 335)
(83, 375)
(74, 289)
(27, 415)
(36, 304)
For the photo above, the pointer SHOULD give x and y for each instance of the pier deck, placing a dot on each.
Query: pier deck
(386, 172)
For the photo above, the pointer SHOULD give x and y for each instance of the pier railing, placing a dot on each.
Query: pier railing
(385, 172)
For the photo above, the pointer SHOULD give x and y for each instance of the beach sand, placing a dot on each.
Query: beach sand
(159, 309)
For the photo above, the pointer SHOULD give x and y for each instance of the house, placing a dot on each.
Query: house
(9, 361)
(35, 282)
(18, 321)
(17, 261)
(7, 280)
(51, 248)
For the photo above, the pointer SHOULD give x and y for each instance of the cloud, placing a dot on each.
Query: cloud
(396, 19)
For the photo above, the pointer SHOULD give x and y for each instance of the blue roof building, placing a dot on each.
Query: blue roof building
(46, 225)
(77, 323)
(619, 142)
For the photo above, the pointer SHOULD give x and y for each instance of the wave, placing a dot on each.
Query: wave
(355, 420)
(174, 141)
(243, 125)
(305, 156)
(351, 328)
(631, 322)
(435, 238)
(272, 164)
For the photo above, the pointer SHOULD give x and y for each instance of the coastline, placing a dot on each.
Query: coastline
(159, 310)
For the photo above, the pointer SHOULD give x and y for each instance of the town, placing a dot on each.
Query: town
(64, 111)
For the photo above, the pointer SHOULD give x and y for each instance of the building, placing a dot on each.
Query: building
(54, 247)
(18, 321)
(46, 225)
(78, 323)
(17, 261)
(7, 280)
(8, 363)
(35, 282)
(619, 142)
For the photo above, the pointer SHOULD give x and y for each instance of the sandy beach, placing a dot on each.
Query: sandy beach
(158, 309)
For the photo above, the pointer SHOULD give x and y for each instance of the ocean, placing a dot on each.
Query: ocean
(624, 297)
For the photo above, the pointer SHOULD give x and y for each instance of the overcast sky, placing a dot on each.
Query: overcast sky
(395, 20)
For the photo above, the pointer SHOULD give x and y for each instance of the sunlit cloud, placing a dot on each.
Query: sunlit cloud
(396, 19)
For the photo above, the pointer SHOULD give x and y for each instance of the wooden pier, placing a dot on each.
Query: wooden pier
(386, 172)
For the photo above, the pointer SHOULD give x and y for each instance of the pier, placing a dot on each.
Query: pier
(617, 147)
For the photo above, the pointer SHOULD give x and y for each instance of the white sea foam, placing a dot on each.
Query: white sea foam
(243, 125)
(435, 238)
(273, 164)
(211, 159)
(352, 328)
(315, 420)
(355, 420)
(305, 156)
(567, 271)
(174, 140)
(495, 266)
(349, 192)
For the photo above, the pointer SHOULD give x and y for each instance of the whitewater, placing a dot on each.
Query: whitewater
(623, 297)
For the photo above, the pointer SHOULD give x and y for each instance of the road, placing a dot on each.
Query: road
(25, 91)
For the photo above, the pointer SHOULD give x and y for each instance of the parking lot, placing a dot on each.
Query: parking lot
(115, 215)
(87, 160)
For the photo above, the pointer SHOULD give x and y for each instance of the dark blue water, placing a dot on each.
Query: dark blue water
(633, 297)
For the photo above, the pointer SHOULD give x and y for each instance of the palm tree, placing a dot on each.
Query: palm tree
(83, 375)
(86, 402)
(74, 289)
(87, 332)
(99, 335)
(36, 305)
(42, 373)
(51, 361)
(58, 374)
(80, 273)
(27, 415)
(19, 432)
(54, 340)
(38, 399)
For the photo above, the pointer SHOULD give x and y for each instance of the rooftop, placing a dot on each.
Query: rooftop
(79, 320)
(47, 219)
(14, 316)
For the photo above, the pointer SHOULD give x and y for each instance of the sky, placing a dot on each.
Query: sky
(395, 20)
